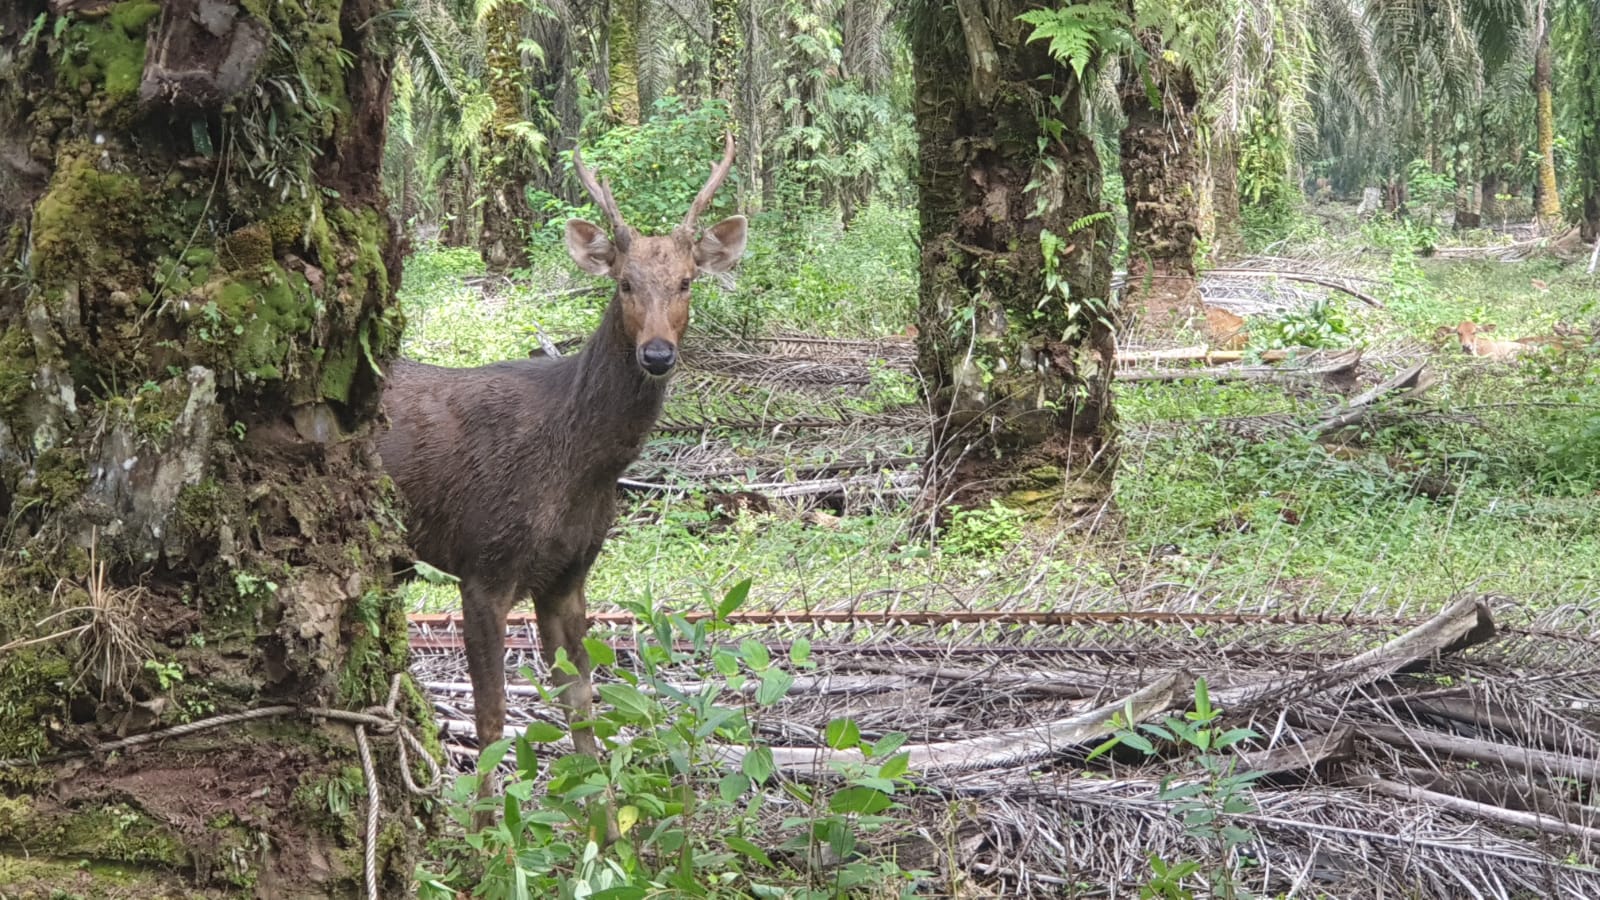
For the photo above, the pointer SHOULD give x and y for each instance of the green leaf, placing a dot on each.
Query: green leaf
(733, 786)
(755, 654)
(629, 702)
(544, 732)
(895, 766)
(733, 599)
(842, 734)
(492, 754)
(889, 743)
(600, 652)
(800, 651)
(775, 685)
(433, 576)
(527, 760)
(749, 851)
(726, 663)
(862, 800)
(758, 764)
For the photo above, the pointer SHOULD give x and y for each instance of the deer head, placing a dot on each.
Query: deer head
(653, 274)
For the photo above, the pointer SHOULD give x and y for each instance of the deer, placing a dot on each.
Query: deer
(1470, 336)
(507, 472)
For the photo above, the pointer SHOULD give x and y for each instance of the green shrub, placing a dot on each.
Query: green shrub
(689, 825)
(982, 532)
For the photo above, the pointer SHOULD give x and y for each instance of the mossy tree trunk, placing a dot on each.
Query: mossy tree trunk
(1159, 177)
(1015, 264)
(200, 284)
(506, 213)
(1549, 210)
(1586, 79)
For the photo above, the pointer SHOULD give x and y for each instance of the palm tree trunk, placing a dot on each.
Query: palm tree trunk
(1587, 79)
(1549, 199)
(195, 523)
(1015, 265)
(1227, 240)
(1159, 176)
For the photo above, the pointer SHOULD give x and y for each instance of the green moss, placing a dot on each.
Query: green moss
(120, 833)
(59, 479)
(17, 366)
(339, 372)
(329, 801)
(378, 648)
(30, 694)
(39, 876)
(261, 314)
(109, 52)
(86, 222)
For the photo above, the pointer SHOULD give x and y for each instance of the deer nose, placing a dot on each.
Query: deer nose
(658, 356)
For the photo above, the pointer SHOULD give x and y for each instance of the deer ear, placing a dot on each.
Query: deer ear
(722, 245)
(589, 246)
(1485, 327)
(1443, 331)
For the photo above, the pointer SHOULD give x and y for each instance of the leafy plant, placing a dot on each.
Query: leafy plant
(1081, 34)
(1204, 804)
(981, 532)
(687, 812)
(1323, 324)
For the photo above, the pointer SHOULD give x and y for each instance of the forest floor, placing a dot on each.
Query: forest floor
(1223, 499)
(1334, 587)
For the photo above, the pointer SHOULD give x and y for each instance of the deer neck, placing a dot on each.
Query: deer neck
(614, 397)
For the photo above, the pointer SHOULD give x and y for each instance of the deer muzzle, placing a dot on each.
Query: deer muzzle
(658, 356)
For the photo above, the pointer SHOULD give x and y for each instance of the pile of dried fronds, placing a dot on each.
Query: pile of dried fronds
(1440, 757)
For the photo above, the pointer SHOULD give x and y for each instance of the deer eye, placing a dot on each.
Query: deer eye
(684, 284)
(625, 285)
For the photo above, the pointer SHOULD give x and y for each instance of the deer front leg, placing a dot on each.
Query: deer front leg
(483, 610)
(563, 622)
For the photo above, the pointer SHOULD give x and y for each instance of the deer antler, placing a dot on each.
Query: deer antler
(601, 192)
(703, 199)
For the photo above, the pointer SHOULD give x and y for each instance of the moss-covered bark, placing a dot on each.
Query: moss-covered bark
(1586, 94)
(1549, 210)
(200, 283)
(1159, 177)
(1015, 260)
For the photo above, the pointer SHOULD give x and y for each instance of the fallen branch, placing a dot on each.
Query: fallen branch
(1405, 386)
(1510, 758)
(1343, 362)
(1532, 821)
(1459, 625)
(1330, 283)
(1332, 746)
(1002, 749)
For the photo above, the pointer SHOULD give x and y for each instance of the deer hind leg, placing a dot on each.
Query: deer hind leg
(484, 608)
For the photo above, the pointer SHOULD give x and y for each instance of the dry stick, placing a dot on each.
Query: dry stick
(1243, 373)
(1462, 623)
(1521, 759)
(1329, 283)
(1001, 749)
(1051, 618)
(1451, 802)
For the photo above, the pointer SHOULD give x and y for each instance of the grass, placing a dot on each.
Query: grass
(1496, 494)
